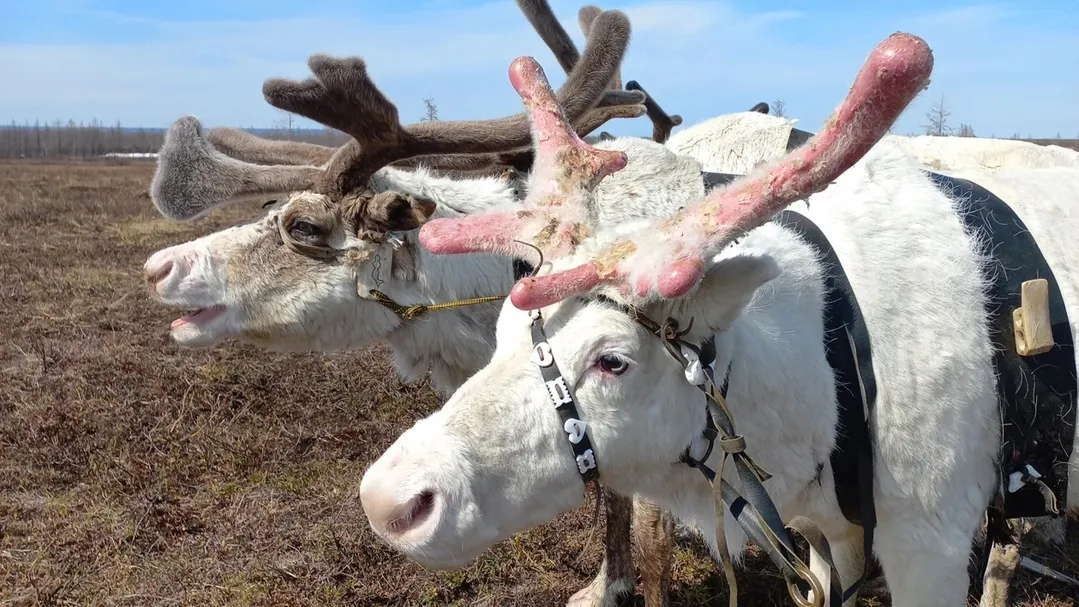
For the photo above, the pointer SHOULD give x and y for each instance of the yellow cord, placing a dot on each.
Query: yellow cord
(410, 312)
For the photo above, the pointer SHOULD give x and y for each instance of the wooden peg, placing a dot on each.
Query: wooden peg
(1033, 328)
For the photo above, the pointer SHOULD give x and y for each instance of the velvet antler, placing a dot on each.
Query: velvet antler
(342, 96)
(194, 177)
(662, 122)
(668, 258)
(244, 146)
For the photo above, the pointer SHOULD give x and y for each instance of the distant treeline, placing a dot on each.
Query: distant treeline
(76, 140)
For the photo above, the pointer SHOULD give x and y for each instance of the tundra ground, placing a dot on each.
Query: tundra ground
(133, 472)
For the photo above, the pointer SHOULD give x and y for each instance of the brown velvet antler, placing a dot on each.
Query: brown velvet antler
(667, 258)
(194, 177)
(585, 17)
(662, 122)
(342, 96)
(244, 146)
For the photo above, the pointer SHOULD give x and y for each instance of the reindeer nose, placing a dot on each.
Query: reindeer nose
(393, 512)
(158, 267)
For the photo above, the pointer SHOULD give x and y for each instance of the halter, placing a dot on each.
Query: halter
(755, 512)
(404, 312)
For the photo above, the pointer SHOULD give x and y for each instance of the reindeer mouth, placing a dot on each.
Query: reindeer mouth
(198, 317)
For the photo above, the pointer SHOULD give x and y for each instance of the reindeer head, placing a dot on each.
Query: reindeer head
(499, 457)
(344, 222)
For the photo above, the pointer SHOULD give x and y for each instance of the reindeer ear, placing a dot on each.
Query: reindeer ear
(729, 286)
(396, 212)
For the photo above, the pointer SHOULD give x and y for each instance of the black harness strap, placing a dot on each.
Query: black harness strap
(562, 398)
(754, 510)
(1037, 394)
(849, 353)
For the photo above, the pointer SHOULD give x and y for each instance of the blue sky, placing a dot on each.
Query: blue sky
(1003, 68)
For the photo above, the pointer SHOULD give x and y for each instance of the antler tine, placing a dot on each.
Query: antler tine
(668, 258)
(341, 95)
(662, 122)
(244, 146)
(543, 20)
(193, 178)
(585, 17)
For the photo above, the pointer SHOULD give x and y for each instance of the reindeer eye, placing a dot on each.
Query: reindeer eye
(303, 230)
(610, 363)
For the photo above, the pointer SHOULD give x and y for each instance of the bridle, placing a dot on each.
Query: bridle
(755, 512)
(562, 399)
(408, 312)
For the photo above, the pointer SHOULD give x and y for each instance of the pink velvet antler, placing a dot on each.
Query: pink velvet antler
(554, 216)
(668, 258)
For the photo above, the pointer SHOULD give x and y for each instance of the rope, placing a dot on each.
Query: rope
(415, 310)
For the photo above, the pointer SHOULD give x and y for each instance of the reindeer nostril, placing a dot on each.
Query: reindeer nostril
(412, 514)
(392, 517)
(155, 275)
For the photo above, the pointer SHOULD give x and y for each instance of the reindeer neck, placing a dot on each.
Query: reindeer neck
(787, 418)
(453, 343)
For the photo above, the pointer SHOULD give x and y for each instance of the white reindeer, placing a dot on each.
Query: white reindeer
(494, 460)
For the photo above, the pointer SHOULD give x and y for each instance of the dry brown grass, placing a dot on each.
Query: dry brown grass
(136, 473)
